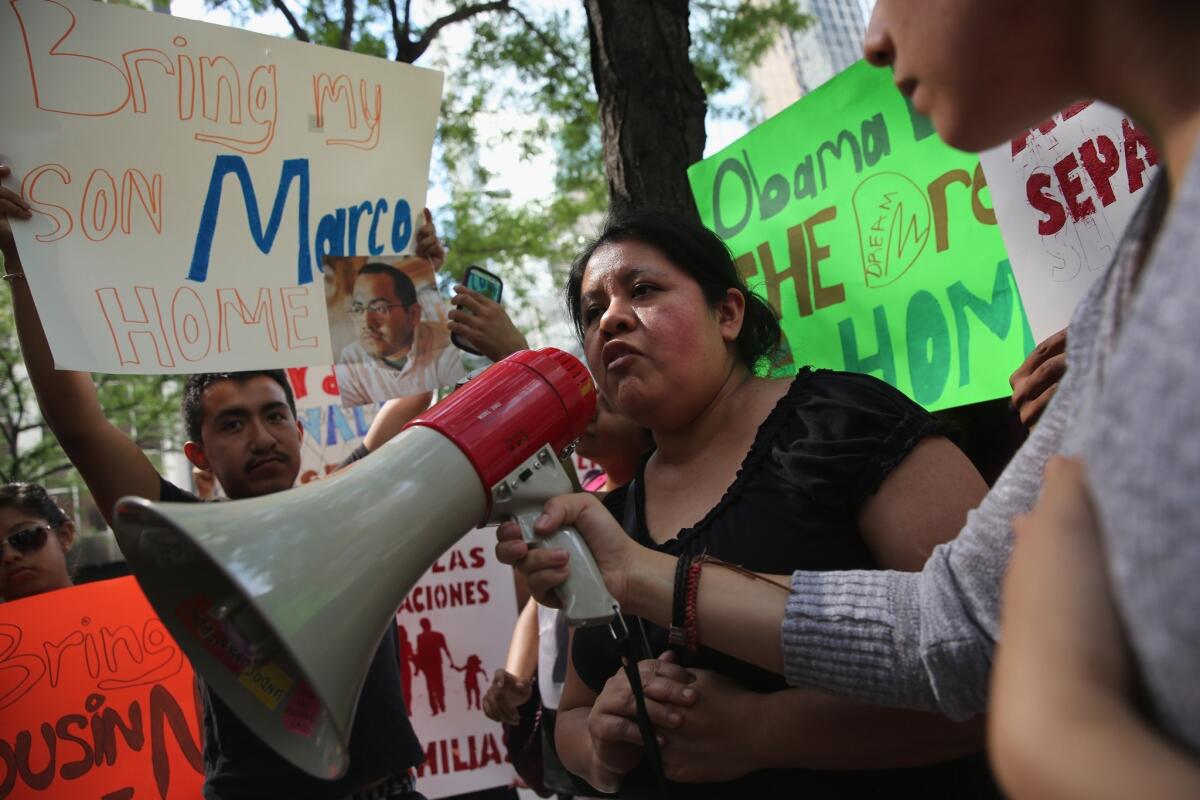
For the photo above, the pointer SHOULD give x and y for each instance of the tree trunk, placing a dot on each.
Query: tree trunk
(652, 106)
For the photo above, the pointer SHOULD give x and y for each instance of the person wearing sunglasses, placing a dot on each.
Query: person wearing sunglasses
(35, 536)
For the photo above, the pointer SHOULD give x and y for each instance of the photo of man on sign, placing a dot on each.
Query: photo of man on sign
(388, 329)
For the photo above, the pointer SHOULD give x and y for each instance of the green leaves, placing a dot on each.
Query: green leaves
(146, 407)
(728, 38)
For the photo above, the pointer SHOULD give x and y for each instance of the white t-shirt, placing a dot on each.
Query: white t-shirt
(550, 689)
(363, 379)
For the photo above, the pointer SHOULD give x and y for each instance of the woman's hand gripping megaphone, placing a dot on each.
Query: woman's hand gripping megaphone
(546, 568)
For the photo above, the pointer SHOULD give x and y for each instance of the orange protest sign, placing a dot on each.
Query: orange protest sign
(96, 699)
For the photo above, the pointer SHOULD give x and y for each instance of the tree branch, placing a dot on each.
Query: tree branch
(301, 34)
(564, 60)
(48, 471)
(399, 32)
(347, 24)
(414, 50)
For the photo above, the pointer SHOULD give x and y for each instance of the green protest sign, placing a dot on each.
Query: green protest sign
(874, 240)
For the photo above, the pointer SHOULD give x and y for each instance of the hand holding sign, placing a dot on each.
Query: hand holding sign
(429, 246)
(1036, 380)
(11, 205)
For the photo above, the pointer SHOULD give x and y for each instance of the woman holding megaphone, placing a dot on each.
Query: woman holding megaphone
(823, 471)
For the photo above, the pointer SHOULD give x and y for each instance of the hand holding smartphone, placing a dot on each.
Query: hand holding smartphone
(478, 279)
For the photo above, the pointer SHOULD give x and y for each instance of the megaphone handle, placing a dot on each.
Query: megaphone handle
(585, 599)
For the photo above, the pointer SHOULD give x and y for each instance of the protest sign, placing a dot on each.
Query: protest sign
(97, 699)
(873, 239)
(455, 626)
(1064, 193)
(331, 430)
(188, 179)
(387, 323)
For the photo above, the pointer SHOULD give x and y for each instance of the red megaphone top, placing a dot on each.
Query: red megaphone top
(506, 414)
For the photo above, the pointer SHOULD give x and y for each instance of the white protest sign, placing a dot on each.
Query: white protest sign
(1064, 193)
(455, 626)
(187, 180)
(331, 430)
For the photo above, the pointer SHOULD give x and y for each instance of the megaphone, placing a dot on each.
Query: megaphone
(281, 601)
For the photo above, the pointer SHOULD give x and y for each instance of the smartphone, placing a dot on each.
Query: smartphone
(478, 279)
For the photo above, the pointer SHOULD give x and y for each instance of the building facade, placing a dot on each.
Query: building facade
(800, 61)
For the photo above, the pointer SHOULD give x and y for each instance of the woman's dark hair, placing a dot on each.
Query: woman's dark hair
(34, 500)
(701, 254)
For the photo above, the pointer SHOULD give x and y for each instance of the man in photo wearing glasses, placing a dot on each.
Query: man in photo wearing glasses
(394, 354)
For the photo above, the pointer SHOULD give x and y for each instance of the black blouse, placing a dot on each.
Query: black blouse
(822, 451)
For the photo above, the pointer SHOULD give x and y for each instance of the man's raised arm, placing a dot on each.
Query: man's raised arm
(109, 461)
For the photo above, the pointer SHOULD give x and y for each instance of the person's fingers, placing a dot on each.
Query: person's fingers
(463, 319)
(664, 686)
(1056, 342)
(667, 683)
(12, 205)
(1051, 346)
(614, 728)
(1048, 373)
(565, 510)
(1031, 412)
(620, 708)
(510, 553)
(544, 558)
(543, 568)
(543, 582)
(508, 531)
(472, 301)
(429, 246)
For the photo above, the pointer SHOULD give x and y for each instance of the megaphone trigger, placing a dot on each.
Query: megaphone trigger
(586, 601)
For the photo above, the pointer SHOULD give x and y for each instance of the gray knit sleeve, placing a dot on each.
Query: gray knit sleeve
(1142, 448)
(920, 640)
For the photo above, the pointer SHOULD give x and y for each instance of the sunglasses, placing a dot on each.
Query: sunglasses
(27, 540)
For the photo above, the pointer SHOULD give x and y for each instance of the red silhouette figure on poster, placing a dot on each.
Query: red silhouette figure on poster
(473, 669)
(428, 660)
(407, 668)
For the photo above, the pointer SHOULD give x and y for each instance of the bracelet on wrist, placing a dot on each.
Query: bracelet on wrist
(677, 634)
(691, 631)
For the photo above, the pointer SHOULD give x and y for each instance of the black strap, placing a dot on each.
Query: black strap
(630, 656)
(562, 649)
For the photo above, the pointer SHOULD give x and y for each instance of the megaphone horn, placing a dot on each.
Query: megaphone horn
(280, 601)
